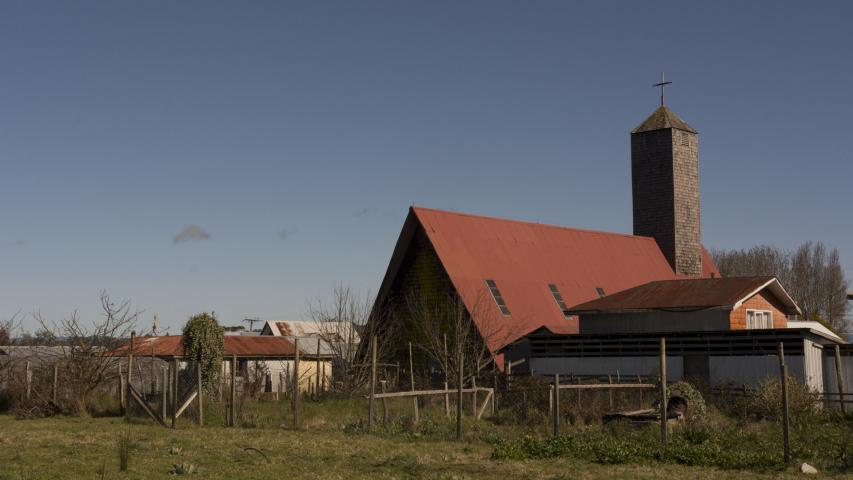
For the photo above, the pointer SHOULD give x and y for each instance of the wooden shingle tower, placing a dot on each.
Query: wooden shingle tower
(665, 185)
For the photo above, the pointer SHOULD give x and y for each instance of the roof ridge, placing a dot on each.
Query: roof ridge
(531, 223)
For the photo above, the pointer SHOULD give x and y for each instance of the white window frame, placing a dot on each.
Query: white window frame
(766, 322)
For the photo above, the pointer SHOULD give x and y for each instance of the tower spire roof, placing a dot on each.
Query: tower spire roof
(663, 118)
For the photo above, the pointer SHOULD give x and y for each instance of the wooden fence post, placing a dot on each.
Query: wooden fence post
(120, 390)
(176, 370)
(163, 397)
(55, 393)
(556, 410)
(384, 404)
(317, 367)
(127, 385)
(783, 374)
(200, 394)
(664, 433)
(460, 366)
(494, 389)
(839, 378)
(233, 411)
(412, 380)
(28, 378)
(551, 400)
(473, 396)
(446, 380)
(372, 398)
(296, 383)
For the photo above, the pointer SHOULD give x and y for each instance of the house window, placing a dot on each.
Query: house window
(559, 299)
(496, 294)
(759, 319)
(600, 292)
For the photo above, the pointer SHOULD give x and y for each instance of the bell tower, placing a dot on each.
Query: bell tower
(665, 187)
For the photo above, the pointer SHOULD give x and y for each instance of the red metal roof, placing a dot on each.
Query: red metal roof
(685, 294)
(240, 345)
(523, 258)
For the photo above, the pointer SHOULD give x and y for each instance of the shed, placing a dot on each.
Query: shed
(695, 304)
(275, 355)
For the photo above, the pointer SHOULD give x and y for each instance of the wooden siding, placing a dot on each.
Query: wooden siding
(761, 301)
(421, 275)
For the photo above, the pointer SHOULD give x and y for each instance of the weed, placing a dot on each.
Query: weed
(125, 445)
(183, 468)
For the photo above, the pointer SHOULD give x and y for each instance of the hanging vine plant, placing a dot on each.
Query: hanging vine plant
(204, 343)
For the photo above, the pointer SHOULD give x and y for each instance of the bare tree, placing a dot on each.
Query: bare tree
(347, 322)
(444, 324)
(813, 277)
(85, 359)
(8, 327)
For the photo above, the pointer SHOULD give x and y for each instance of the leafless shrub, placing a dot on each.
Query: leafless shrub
(85, 359)
(445, 326)
(347, 323)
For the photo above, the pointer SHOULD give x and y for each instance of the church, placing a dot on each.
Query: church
(521, 280)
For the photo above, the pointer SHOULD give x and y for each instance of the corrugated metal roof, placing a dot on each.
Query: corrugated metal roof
(694, 293)
(248, 346)
(309, 328)
(523, 258)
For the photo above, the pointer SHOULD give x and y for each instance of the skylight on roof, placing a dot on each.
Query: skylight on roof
(559, 299)
(499, 299)
(600, 292)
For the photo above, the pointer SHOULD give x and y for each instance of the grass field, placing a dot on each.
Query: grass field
(67, 447)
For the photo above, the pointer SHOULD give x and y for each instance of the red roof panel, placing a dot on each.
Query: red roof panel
(242, 346)
(523, 258)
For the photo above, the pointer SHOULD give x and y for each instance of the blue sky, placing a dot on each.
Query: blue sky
(296, 135)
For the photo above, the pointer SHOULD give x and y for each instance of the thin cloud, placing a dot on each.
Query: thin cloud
(21, 242)
(361, 213)
(286, 233)
(191, 233)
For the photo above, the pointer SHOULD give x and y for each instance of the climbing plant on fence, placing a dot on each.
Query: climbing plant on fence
(204, 343)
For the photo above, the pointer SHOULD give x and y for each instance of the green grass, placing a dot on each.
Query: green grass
(332, 443)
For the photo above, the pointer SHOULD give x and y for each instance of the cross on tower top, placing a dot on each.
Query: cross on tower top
(663, 83)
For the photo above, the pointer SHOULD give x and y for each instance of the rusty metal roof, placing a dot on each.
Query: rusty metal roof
(687, 294)
(523, 258)
(242, 346)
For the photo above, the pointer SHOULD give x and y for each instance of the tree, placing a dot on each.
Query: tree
(443, 325)
(345, 322)
(83, 356)
(813, 277)
(204, 343)
(8, 328)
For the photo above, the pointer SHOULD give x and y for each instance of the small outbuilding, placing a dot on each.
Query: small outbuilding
(695, 304)
(273, 357)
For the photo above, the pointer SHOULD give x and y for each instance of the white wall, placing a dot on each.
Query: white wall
(307, 372)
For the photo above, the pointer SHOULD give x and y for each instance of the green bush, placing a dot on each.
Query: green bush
(765, 401)
(696, 407)
(204, 342)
